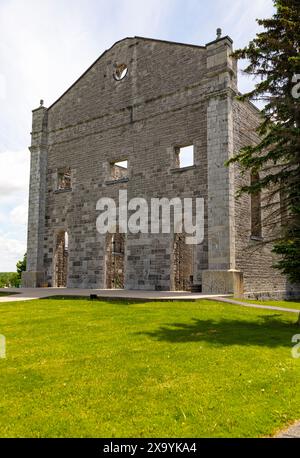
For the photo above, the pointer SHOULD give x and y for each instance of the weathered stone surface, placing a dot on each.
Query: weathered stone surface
(173, 95)
(33, 279)
(223, 282)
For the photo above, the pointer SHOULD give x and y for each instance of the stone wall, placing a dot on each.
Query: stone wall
(160, 104)
(37, 199)
(172, 96)
(253, 257)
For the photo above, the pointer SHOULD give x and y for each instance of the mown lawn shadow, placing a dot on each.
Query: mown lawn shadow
(269, 331)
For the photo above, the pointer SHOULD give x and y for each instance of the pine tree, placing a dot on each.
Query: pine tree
(274, 59)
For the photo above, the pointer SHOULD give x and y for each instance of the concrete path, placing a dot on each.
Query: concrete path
(27, 294)
(258, 306)
(293, 432)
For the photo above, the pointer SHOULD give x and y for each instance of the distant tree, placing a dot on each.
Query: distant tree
(9, 279)
(274, 57)
(5, 279)
(14, 280)
(21, 267)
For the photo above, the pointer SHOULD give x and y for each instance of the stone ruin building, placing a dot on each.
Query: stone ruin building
(126, 124)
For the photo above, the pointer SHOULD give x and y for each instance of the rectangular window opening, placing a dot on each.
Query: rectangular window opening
(184, 156)
(64, 179)
(119, 169)
(256, 226)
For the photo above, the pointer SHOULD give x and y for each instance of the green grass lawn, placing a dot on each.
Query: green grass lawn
(6, 294)
(285, 304)
(80, 368)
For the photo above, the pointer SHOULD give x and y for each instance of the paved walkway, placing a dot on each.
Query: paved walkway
(293, 432)
(258, 306)
(27, 294)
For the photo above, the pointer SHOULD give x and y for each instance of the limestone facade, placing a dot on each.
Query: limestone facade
(139, 102)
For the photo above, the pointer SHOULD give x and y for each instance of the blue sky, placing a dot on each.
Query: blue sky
(47, 44)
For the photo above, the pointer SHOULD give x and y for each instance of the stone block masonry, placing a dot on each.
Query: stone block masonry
(140, 102)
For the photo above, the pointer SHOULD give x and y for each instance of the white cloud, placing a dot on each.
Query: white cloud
(2, 87)
(14, 173)
(14, 183)
(240, 20)
(12, 251)
(3, 217)
(19, 214)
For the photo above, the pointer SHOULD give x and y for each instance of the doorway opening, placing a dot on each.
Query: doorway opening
(61, 260)
(115, 257)
(182, 263)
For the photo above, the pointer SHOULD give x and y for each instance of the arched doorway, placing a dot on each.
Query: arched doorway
(115, 254)
(61, 260)
(182, 263)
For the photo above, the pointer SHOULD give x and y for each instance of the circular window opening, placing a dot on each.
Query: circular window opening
(120, 72)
